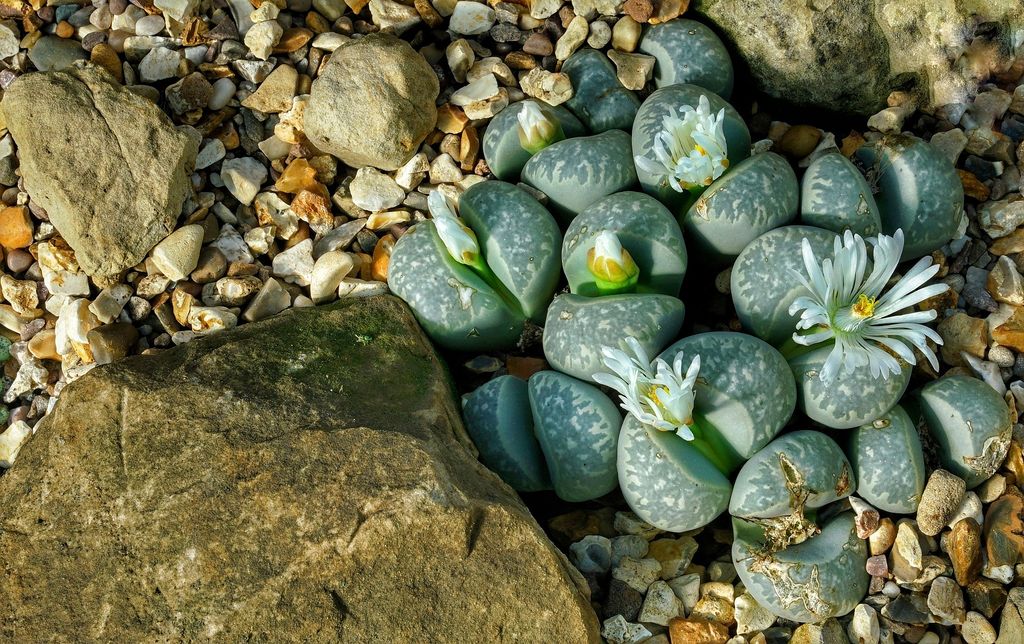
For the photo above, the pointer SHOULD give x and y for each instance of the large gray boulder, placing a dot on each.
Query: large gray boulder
(306, 478)
(373, 103)
(848, 55)
(107, 165)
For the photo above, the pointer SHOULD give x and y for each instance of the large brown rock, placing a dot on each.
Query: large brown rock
(107, 165)
(306, 478)
(373, 103)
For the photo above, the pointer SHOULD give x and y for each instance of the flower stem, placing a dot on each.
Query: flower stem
(615, 288)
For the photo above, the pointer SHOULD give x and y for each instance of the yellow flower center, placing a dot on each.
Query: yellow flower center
(865, 307)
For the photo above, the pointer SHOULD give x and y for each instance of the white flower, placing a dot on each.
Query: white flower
(690, 152)
(537, 130)
(457, 237)
(849, 307)
(656, 393)
(609, 262)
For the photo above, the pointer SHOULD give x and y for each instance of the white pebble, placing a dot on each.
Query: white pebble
(481, 89)
(211, 152)
(328, 272)
(263, 37)
(177, 9)
(11, 442)
(159, 63)
(471, 18)
(243, 177)
(373, 190)
(177, 254)
(352, 287)
(149, 26)
(223, 91)
(295, 265)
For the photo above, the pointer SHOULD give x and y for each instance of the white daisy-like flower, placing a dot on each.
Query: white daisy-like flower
(611, 264)
(691, 151)
(537, 130)
(846, 304)
(657, 394)
(460, 241)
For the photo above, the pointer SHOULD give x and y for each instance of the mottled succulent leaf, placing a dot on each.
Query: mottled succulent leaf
(666, 481)
(499, 420)
(802, 469)
(763, 285)
(822, 577)
(835, 196)
(456, 308)
(688, 52)
(519, 240)
(504, 154)
(919, 191)
(969, 421)
(745, 389)
(759, 194)
(575, 173)
(577, 327)
(888, 462)
(577, 427)
(599, 99)
(644, 227)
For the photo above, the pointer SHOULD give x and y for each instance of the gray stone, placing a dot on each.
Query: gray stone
(373, 103)
(108, 166)
(255, 485)
(53, 53)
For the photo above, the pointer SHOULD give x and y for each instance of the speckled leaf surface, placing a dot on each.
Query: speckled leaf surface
(650, 121)
(745, 389)
(502, 151)
(971, 424)
(519, 239)
(575, 173)
(499, 420)
(835, 196)
(599, 99)
(578, 326)
(688, 52)
(666, 481)
(918, 191)
(820, 578)
(577, 427)
(763, 285)
(759, 194)
(850, 399)
(644, 227)
(800, 469)
(456, 308)
(888, 463)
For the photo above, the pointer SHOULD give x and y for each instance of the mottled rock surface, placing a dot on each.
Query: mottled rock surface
(107, 165)
(260, 484)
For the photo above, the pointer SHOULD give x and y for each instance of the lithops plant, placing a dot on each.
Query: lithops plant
(521, 130)
(473, 287)
(644, 228)
(835, 196)
(919, 191)
(575, 173)
(599, 99)
(685, 137)
(969, 421)
(684, 437)
(552, 432)
(887, 462)
(687, 51)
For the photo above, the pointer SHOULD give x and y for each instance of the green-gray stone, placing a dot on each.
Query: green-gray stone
(455, 306)
(499, 420)
(51, 53)
(762, 281)
(850, 399)
(688, 52)
(745, 390)
(835, 196)
(969, 421)
(577, 327)
(575, 173)
(809, 582)
(666, 481)
(5, 349)
(800, 469)
(599, 99)
(650, 121)
(577, 426)
(644, 227)
(519, 240)
(888, 463)
(919, 191)
(759, 194)
(502, 150)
